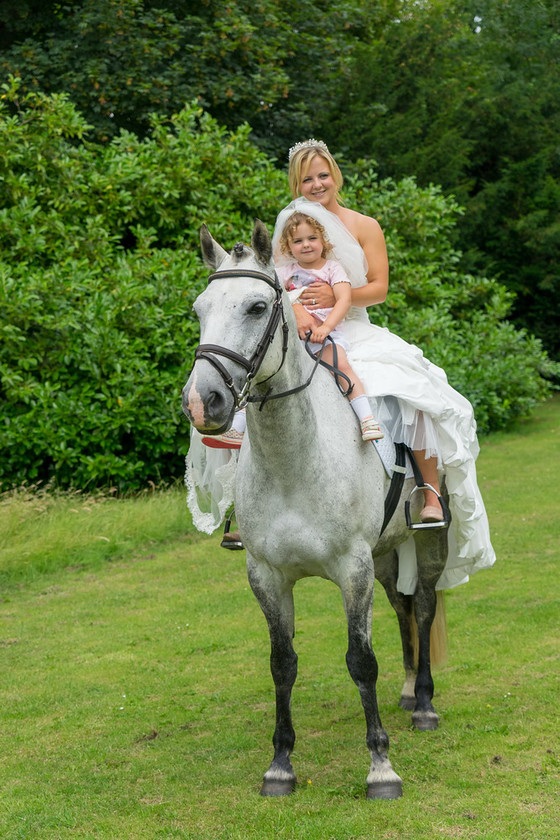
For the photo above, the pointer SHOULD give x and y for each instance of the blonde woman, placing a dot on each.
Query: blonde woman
(410, 396)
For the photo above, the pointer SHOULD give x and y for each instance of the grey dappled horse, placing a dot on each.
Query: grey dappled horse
(309, 495)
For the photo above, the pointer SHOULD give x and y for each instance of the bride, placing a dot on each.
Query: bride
(410, 396)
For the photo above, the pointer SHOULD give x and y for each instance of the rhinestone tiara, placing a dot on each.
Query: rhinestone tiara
(307, 144)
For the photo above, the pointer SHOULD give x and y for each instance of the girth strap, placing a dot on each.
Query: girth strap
(396, 486)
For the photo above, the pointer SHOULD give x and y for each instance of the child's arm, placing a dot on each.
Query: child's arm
(343, 301)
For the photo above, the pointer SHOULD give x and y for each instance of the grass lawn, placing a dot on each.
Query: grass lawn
(136, 701)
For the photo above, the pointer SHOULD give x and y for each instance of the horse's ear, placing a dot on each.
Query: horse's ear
(212, 253)
(260, 242)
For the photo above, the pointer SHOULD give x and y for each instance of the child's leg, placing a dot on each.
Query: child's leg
(358, 399)
(344, 366)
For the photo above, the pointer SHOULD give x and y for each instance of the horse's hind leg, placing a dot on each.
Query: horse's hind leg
(415, 614)
(357, 592)
(424, 715)
(386, 571)
(404, 608)
(431, 550)
(275, 596)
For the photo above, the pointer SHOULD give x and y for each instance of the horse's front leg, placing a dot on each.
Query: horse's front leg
(357, 592)
(275, 596)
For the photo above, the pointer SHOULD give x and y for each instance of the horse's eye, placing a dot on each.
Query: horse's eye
(257, 308)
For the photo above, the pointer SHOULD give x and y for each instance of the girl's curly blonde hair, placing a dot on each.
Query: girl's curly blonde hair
(293, 223)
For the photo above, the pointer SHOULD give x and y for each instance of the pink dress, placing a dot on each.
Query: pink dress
(295, 278)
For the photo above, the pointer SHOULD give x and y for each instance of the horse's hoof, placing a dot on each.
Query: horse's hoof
(407, 703)
(278, 787)
(385, 790)
(425, 721)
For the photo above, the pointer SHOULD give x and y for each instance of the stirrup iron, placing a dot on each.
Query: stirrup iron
(417, 526)
(231, 545)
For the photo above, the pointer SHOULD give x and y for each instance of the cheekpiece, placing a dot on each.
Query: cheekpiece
(307, 144)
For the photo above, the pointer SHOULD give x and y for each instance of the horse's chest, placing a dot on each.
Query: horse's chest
(297, 545)
(273, 500)
(301, 527)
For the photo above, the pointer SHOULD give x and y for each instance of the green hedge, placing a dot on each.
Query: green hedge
(99, 267)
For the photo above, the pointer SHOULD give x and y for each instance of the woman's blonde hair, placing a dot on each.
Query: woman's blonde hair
(300, 161)
(291, 226)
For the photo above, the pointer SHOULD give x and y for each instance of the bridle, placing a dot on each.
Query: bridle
(209, 352)
(251, 365)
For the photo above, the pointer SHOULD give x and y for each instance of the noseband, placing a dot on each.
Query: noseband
(252, 365)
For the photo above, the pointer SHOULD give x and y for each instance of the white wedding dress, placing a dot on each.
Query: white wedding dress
(410, 397)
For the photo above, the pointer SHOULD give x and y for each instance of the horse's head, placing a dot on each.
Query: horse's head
(238, 313)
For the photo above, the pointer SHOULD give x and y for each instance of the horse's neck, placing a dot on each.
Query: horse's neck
(292, 417)
(286, 424)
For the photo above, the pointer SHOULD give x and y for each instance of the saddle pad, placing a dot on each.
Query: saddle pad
(385, 448)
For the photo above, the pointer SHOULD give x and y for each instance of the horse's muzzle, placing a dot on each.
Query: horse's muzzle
(209, 409)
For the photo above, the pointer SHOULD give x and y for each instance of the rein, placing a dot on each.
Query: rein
(209, 352)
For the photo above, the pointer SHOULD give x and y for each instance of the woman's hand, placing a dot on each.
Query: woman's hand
(318, 296)
(304, 320)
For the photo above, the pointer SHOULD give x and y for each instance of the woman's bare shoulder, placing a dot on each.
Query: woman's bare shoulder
(360, 225)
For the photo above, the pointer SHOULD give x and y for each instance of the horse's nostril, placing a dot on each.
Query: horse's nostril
(215, 405)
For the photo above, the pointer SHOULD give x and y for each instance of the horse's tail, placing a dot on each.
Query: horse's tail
(438, 634)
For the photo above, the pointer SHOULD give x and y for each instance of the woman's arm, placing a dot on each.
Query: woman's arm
(370, 236)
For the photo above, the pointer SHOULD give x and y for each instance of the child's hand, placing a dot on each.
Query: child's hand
(319, 334)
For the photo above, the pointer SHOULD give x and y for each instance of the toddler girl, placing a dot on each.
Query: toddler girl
(304, 239)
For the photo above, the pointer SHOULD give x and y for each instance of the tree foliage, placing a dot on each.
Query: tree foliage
(121, 60)
(100, 265)
(458, 93)
(466, 95)
(458, 319)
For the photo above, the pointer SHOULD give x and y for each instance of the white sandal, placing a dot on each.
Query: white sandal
(370, 429)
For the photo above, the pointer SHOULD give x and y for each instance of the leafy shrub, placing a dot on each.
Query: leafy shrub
(91, 369)
(99, 266)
